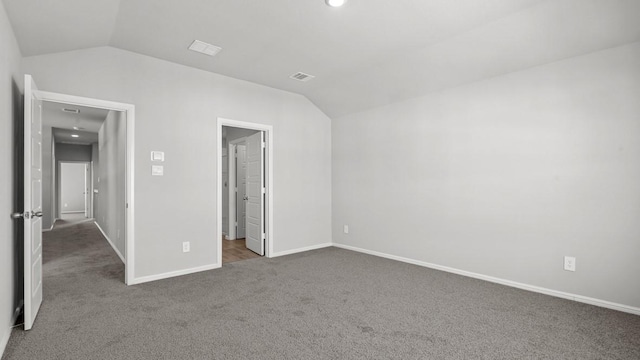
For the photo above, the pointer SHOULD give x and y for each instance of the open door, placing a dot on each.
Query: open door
(32, 202)
(255, 234)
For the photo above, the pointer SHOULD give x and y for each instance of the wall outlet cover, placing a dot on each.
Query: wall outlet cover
(570, 263)
(186, 246)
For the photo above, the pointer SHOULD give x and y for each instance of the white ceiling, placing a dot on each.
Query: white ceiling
(367, 54)
(88, 121)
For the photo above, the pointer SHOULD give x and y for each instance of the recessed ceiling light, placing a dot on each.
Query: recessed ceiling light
(78, 128)
(73, 111)
(335, 3)
(204, 48)
(75, 135)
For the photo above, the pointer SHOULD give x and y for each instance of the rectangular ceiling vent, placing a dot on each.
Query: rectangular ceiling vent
(300, 76)
(73, 111)
(204, 48)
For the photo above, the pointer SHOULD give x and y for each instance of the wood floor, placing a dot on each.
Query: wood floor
(236, 250)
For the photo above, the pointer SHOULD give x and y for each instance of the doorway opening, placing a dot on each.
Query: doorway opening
(74, 190)
(89, 155)
(34, 173)
(244, 191)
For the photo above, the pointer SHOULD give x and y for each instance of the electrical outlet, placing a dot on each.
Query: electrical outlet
(570, 263)
(186, 246)
(346, 229)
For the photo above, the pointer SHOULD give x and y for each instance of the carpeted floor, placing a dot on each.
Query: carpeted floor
(323, 304)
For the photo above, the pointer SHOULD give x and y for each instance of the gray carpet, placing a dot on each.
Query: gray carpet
(323, 304)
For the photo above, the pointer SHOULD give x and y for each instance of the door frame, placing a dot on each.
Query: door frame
(233, 208)
(268, 168)
(129, 120)
(88, 197)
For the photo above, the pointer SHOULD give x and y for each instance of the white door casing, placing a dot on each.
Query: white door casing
(32, 202)
(255, 235)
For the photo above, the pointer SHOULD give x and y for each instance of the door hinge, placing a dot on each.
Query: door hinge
(264, 190)
(264, 145)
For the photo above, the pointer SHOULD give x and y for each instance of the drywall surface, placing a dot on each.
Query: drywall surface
(10, 112)
(176, 112)
(110, 179)
(72, 187)
(72, 152)
(504, 177)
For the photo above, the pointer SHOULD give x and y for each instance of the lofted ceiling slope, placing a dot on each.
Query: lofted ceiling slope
(367, 54)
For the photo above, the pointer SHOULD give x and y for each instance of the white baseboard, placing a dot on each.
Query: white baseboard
(111, 243)
(171, 274)
(51, 228)
(73, 212)
(537, 289)
(5, 337)
(299, 250)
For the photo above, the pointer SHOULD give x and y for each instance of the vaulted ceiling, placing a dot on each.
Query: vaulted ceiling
(366, 54)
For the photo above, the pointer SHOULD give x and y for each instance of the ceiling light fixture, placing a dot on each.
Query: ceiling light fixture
(75, 135)
(335, 3)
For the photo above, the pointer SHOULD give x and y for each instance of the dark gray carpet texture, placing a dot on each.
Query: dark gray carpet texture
(323, 304)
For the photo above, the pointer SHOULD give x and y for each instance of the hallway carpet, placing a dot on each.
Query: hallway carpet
(323, 304)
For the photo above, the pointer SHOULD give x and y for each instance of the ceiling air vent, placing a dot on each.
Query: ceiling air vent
(204, 48)
(73, 111)
(300, 76)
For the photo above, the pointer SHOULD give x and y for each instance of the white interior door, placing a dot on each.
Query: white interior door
(32, 202)
(241, 193)
(255, 193)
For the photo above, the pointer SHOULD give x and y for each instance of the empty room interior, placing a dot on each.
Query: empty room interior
(320, 179)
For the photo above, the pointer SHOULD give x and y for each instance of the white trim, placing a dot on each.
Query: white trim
(129, 110)
(110, 243)
(5, 337)
(51, 228)
(303, 249)
(171, 274)
(73, 212)
(537, 289)
(268, 130)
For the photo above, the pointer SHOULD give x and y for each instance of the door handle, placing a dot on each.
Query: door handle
(36, 214)
(246, 198)
(18, 215)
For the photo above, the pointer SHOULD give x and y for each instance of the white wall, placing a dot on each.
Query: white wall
(110, 179)
(505, 176)
(10, 110)
(176, 112)
(72, 187)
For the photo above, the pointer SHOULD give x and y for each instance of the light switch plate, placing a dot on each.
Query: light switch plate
(570, 263)
(157, 156)
(157, 170)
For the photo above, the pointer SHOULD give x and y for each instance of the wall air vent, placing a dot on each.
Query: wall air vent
(204, 48)
(73, 111)
(300, 76)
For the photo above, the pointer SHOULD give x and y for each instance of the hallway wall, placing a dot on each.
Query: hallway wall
(110, 180)
(11, 85)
